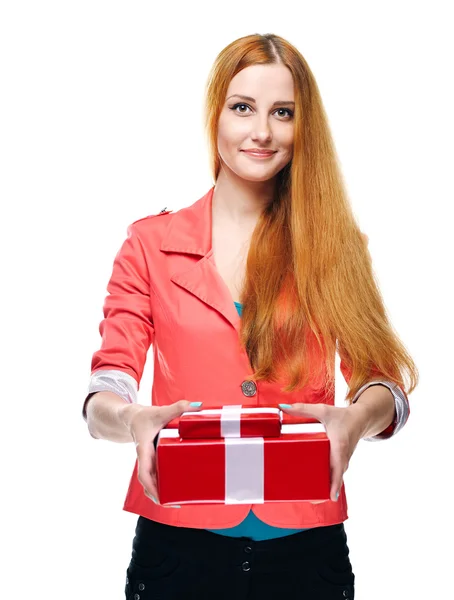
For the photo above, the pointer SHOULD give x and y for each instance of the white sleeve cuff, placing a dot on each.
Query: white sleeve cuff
(112, 380)
(400, 403)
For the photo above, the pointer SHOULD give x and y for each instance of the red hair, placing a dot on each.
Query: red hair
(310, 288)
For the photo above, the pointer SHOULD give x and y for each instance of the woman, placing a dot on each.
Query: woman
(246, 295)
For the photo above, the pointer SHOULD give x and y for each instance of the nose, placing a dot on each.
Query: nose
(261, 130)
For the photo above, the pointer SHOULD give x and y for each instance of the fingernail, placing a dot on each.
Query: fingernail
(174, 506)
(154, 499)
(337, 496)
(285, 405)
(196, 404)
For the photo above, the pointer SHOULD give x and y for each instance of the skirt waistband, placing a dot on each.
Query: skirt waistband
(193, 541)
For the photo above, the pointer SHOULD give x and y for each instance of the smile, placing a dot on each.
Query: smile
(258, 154)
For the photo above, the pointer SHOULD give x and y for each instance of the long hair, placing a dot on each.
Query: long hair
(309, 287)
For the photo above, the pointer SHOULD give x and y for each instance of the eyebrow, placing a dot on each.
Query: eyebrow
(250, 99)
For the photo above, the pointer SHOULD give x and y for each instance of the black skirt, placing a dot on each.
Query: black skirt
(173, 563)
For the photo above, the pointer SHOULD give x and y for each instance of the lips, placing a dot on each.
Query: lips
(260, 152)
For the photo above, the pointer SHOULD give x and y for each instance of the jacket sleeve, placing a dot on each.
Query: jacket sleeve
(127, 327)
(401, 404)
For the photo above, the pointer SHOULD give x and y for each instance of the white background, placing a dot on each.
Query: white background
(101, 124)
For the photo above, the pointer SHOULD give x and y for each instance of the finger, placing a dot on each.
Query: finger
(150, 471)
(167, 413)
(154, 495)
(154, 478)
(303, 408)
(146, 470)
(336, 477)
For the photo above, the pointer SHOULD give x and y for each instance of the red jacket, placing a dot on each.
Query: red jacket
(165, 291)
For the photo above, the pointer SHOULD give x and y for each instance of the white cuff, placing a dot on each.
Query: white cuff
(400, 403)
(113, 380)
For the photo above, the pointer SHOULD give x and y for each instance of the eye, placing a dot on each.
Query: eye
(287, 110)
(235, 106)
(242, 112)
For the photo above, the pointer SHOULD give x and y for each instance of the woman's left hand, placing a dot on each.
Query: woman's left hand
(343, 428)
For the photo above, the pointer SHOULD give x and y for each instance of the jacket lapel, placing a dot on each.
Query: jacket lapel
(190, 232)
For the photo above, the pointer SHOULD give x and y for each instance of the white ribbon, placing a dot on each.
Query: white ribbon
(231, 421)
(169, 433)
(244, 471)
(303, 428)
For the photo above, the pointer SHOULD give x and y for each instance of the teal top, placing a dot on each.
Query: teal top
(252, 527)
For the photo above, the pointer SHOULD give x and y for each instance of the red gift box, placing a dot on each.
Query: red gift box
(231, 421)
(292, 467)
(285, 418)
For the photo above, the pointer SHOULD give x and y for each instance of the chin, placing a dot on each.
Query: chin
(256, 174)
(254, 177)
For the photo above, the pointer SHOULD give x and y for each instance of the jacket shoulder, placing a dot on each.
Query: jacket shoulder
(164, 211)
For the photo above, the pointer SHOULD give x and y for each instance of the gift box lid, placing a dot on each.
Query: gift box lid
(231, 421)
(284, 418)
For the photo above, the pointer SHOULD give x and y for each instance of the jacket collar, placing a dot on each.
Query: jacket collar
(190, 232)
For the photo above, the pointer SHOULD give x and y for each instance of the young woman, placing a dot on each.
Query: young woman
(245, 296)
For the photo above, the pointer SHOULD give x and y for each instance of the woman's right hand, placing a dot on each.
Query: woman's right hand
(144, 424)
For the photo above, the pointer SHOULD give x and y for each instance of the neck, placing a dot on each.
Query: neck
(240, 201)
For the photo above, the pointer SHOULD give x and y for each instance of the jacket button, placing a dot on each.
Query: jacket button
(246, 566)
(249, 388)
(248, 549)
(141, 586)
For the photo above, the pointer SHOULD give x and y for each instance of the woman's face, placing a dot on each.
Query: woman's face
(264, 120)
